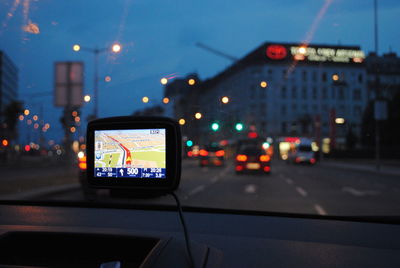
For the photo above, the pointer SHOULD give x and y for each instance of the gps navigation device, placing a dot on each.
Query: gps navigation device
(139, 154)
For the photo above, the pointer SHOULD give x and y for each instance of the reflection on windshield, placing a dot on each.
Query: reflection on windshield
(283, 107)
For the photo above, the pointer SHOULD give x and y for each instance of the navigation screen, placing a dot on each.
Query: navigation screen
(130, 153)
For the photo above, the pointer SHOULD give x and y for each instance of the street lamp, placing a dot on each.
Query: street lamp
(198, 115)
(86, 98)
(225, 100)
(164, 81)
(115, 48)
(145, 99)
(263, 84)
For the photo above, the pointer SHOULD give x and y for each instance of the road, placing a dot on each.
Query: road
(319, 189)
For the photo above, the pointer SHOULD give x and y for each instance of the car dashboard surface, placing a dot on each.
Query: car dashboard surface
(44, 235)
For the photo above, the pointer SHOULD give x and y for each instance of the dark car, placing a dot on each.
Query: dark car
(212, 156)
(252, 158)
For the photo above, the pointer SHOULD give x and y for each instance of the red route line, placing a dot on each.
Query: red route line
(128, 152)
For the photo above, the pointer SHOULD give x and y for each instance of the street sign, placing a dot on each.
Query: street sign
(68, 84)
(380, 110)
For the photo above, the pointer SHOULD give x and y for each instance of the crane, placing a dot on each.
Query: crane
(216, 52)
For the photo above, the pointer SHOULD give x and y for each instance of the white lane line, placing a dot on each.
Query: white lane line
(320, 210)
(196, 190)
(214, 179)
(289, 181)
(301, 191)
(250, 189)
(358, 193)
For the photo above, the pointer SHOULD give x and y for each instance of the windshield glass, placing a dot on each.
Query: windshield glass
(251, 83)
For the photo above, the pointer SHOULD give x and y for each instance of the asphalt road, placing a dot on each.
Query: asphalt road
(320, 189)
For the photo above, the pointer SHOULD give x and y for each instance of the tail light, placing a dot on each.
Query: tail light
(298, 160)
(265, 158)
(190, 153)
(241, 157)
(239, 168)
(220, 153)
(203, 152)
(312, 160)
(267, 169)
(204, 162)
(82, 163)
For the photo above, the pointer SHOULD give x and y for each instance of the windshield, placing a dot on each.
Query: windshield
(251, 83)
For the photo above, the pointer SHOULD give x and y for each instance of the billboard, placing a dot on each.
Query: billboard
(68, 84)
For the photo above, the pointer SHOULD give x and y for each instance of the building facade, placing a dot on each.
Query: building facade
(8, 83)
(290, 89)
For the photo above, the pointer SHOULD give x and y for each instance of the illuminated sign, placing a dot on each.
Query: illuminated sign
(276, 52)
(325, 54)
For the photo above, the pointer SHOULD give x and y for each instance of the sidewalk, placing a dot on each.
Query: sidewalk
(387, 167)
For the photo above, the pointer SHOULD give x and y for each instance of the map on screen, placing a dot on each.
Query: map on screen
(130, 153)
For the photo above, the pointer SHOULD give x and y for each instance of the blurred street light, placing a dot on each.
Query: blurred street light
(76, 47)
(182, 121)
(239, 126)
(339, 121)
(215, 126)
(72, 129)
(21, 117)
(35, 118)
(335, 77)
(107, 78)
(29, 122)
(166, 100)
(225, 100)
(145, 99)
(4, 142)
(26, 112)
(191, 82)
(164, 81)
(302, 50)
(74, 113)
(198, 115)
(263, 84)
(116, 48)
(86, 98)
(36, 126)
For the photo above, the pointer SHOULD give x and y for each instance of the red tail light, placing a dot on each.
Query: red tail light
(241, 157)
(265, 158)
(203, 152)
(82, 163)
(239, 168)
(298, 160)
(267, 169)
(220, 153)
(190, 153)
(312, 160)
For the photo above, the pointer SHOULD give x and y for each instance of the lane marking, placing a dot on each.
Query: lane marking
(320, 210)
(214, 179)
(250, 189)
(289, 181)
(301, 191)
(196, 190)
(359, 193)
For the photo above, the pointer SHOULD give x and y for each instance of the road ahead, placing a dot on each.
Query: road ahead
(320, 189)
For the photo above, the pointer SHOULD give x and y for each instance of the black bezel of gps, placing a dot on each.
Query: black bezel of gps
(139, 185)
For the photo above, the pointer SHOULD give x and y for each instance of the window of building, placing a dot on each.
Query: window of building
(360, 78)
(283, 127)
(314, 76)
(294, 92)
(357, 94)
(283, 109)
(304, 75)
(324, 77)
(357, 110)
(283, 92)
(314, 93)
(304, 92)
(341, 93)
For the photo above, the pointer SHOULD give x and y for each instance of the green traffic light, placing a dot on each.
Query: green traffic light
(214, 126)
(189, 143)
(239, 126)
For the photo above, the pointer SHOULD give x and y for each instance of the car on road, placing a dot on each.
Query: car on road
(212, 156)
(252, 158)
(302, 153)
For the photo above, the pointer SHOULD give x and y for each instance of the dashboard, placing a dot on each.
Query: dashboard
(59, 234)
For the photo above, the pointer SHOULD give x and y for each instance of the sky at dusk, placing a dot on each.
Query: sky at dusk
(158, 39)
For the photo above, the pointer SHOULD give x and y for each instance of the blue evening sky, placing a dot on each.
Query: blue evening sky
(159, 36)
